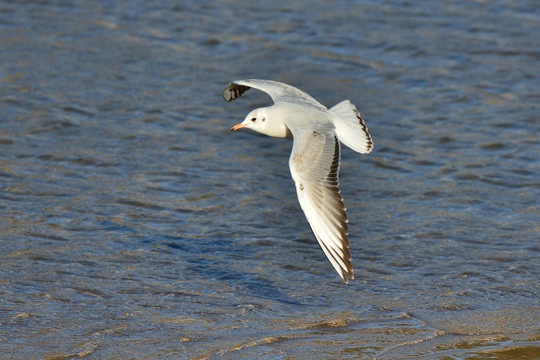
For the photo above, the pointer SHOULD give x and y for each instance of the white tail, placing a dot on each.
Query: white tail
(350, 127)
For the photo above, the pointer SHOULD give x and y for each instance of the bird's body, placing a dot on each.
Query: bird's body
(314, 162)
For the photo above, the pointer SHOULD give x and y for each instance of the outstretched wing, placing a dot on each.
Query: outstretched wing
(314, 165)
(279, 92)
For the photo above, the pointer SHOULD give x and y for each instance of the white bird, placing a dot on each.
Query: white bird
(314, 162)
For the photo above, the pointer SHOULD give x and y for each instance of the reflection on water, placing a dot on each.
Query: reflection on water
(134, 226)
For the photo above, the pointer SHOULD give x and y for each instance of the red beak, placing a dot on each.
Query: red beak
(237, 126)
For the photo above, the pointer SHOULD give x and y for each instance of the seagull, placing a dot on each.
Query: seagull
(314, 162)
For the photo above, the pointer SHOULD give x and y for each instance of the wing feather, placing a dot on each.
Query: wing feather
(314, 165)
(279, 92)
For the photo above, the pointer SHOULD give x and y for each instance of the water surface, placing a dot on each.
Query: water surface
(134, 226)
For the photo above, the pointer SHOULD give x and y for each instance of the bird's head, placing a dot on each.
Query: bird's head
(255, 120)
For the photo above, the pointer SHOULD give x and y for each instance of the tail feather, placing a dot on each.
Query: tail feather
(350, 127)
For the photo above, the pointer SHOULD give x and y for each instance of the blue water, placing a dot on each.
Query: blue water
(133, 226)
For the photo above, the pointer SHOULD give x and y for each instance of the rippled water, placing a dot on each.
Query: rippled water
(134, 226)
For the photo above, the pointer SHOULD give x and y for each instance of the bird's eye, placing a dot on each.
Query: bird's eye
(253, 119)
(263, 119)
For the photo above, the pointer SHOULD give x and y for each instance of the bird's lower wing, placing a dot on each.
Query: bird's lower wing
(314, 165)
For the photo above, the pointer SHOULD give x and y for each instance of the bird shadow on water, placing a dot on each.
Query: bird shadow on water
(219, 260)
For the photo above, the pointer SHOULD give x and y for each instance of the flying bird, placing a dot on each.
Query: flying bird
(314, 162)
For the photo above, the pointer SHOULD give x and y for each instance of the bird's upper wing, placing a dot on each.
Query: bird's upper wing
(314, 165)
(279, 92)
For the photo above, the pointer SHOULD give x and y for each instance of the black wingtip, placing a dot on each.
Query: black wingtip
(234, 91)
